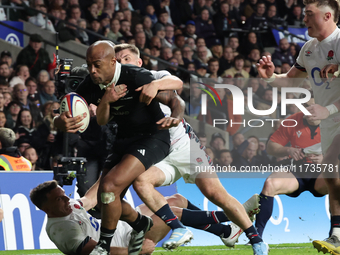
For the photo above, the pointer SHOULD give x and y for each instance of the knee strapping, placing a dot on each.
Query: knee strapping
(107, 197)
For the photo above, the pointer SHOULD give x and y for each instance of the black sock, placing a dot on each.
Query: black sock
(253, 235)
(169, 217)
(335, 223)
(139, 223)
(266, 211)
(105, 238)
(192, 207)
(191, 217)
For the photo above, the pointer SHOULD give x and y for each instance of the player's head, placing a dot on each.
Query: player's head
(7, 137)
(128, 54)
(51, 198)
(321, 17)
(100, 59)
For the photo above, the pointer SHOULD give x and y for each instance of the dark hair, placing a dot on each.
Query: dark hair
(19, 123)
(31, 79)
(220, 152)
(38, 195)
(333, 4)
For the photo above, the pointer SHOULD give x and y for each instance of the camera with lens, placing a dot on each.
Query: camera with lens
(69, 168)
(64, 71)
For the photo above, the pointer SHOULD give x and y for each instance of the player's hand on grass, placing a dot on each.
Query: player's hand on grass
(330, 68)
(316, 159)
(148, 247)
(168, 122)
(114, 93)
(265, 67)
(65, 122)
(296, 153)
(318, 112)
(148, 92)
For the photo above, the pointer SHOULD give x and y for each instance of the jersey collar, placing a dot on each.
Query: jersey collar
(115, 77)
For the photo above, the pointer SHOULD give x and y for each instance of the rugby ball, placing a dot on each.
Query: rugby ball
(76, 105)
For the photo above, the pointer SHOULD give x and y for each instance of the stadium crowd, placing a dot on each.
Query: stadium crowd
(196, 35)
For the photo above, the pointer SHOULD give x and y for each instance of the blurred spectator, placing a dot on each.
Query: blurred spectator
(155, 42)
(295, 17)
(191, 43)
(35, 56)
(187, 10)
(83, 36)
(104, 20)
(3, 17)
(177, 53)
(205, 28)
(190, 29)
(18, 14)
(24, 127)
(75, 12)
(208, 5)
(294, 50)
(254, 57)
(249, 8)
(257, 21)
(6, 56)
(32, 88)
(125, 28)
(187, 53)
(169, 35)
(91, 12)
(109, 7)
(119, 15)
(124, 4)
(48, 93)
(20, 75)
(278, 65)
(247, 66)
(179, 41)
(154, 62)
(238, 68)
(95, 27)
(283, 53)
(224, 158)
(20, 94)
(138, 28)
(4, 71)
(237, 140)
(7, 97)
(163, 18)
(193, 105)
(41, 20)
(42, 78)
(202, 55)
(100, 4)
(146, 60)
(226, 60)
(114, 33)
(285, 67)
(209, 151)
(213, 66)
(201, 69)
(234, 43)
(2, 119)
(31, 154)
(216, 49)
(251, 43)
(267, 102)
(56, 11)
(147, 26)
(217, 142)
(245, 155)
(203, 138)
(240, 82)
(171, 7)
(150, 12)
(13, 110)
(10, 157)
(166, 54)
(223, 21)
(140, 39)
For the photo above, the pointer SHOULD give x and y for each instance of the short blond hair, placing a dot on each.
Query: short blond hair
(126, 46)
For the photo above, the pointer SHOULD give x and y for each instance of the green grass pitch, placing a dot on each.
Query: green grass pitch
(275, 249)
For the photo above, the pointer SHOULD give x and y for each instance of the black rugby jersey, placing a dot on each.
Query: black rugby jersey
(132, 116)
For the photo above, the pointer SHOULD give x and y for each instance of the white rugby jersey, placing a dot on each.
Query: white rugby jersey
(314, 56)
(68, 232)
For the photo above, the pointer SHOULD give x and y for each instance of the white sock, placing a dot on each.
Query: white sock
(336, 232)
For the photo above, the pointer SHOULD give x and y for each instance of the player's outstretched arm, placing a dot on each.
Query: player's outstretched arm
(177, 106)
(65, 122)
(266, 68)
(278, 150)
(149, 91)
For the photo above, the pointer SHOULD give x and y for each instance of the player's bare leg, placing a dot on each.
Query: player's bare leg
(332, 244)
(211, 187)
(145, 185)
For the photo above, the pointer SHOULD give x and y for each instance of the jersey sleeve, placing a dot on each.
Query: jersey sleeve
(280, 136)
(67, 236)
(299, 64)
(160, 74)
(143, 77)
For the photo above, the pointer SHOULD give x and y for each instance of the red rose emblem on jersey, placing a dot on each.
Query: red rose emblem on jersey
(76, 206)
(330, 55)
